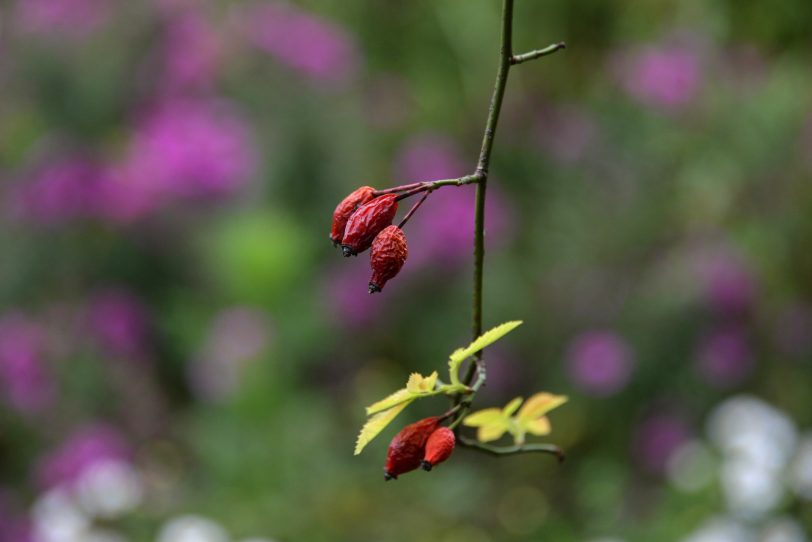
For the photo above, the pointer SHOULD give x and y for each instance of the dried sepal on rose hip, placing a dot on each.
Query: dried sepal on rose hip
(389, 253)
(367, 222)
(439, 447)
(346, 208)
(407, 448)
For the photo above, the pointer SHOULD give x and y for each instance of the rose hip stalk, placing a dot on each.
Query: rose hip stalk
(389, 252)
(407, 447)
(439, 447)
(367, 222)
(346, 208)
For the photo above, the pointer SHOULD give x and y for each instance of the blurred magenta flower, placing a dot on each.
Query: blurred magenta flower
(657, 437)
(599, 362)
(724, 358)
(26, 385)
(13, 526)
(119, 321)
(442, 232)
(68, 18)
(346, 296)
(566, 133)
(237, 337)
(191, 51)
(189, 148)
(314, 46)
(729, 285)
(58, 190)
(662, 76)
(86, 447)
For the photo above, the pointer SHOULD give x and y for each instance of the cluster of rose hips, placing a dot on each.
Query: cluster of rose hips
(422, 444)
(363, 220)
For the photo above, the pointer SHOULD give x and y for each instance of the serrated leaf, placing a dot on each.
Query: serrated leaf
(483, 417)
(392, 400)
(376, 424)
(539, 427)
(511, 407)
(419, 384)
(539, 405)
(487, 338)
(487, 433)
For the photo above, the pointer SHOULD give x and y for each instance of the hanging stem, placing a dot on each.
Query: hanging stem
(506, 52)
(413, 209)
(506, 59)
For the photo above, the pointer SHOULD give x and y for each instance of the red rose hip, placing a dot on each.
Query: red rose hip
(367, 222)
(407, 447)
(439, 447)
(346, 208)
(389, 253)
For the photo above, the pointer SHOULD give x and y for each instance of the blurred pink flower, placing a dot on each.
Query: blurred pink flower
(189, 148)
(59, 190)
(69, 18)
(662, 76)
(86, 447)
(119, 320)
(346, 295)
(729, 285)
(724, 358)
(237, 337)
(657, 437)
(14, 527)
(191, 52)
(316, 47)
(566, 133)
(599, 362)
(441, 231)
(27, 387)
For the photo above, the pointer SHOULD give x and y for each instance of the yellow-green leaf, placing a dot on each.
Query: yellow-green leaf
(396, 398)
(539, 405)
(538, 427)
(487, 338)
(419, 384)
(483, 417)
(493, 431)
(511, 407)
(376, 424)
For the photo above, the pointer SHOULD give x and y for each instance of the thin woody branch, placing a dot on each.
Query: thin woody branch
(512, 450)
(538, 53)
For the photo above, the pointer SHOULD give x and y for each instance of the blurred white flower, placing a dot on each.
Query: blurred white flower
(109, 489)
(721, 529)
(191, 528)
(57, 518)
(691, 467)
(783, 530)
(751, 489)
(800, 471)
(745, 426)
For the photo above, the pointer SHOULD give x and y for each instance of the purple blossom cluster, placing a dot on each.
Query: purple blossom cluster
(24, 379)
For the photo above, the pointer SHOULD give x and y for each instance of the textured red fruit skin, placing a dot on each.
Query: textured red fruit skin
(439, 447)
(367, 222)
(389, 253)
(346, 208)
(407, 447)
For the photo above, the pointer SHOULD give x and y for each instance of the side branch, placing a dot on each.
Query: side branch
(532, 55)
(512, 450)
